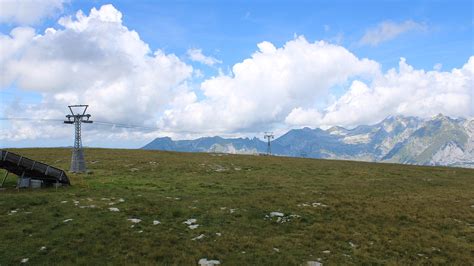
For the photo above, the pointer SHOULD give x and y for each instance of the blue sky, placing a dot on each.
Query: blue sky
(230, 30)
(429, 34)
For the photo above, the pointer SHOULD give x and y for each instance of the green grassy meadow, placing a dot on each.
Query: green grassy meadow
(337, 212)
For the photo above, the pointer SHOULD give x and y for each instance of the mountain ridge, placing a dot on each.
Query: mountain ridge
(439, 140)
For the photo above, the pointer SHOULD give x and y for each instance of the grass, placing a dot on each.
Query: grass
(374, 214)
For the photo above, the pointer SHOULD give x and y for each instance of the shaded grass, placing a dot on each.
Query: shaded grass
(391, 214)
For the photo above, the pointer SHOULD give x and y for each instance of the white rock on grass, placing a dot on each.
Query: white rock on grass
(326, 251)
(87, 206)
(121, 200)
(134, 220)
(113, 209)
(218, 234)
(352, 245)
(193, 226)
(314, 263)
(276, 249)
(67, 220)
(201, 236)
(43, 248)
(205, 262)
(25, 260)
(319, 204)
(156, 222)
(277, 214)
(64, 201)
(190, 221)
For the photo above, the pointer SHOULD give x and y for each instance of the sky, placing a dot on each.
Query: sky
(187, 69)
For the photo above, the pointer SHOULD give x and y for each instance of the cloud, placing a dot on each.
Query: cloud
(406, 91)
(93, 59)
(197, 56)
(27, 12)
(262, 89)
(389, 30)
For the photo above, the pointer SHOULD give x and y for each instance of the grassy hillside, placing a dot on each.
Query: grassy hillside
(340, 212)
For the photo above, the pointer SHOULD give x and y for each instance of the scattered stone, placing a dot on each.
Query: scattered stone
(278, 214)
(281, 218)
(276, 249)
(435, 249)
(193, 226)
(156, 222)
(201, 236)
(352, 245)
(134, 220)
(104, 199)
(326, 251)
(177, 198)
(303, 205)
(232, 210)
(237, 168)
(89, 199)
(141, 231)
(121, 200)
(43, 248)
(190, 221)
(13, 211)
(134, 169)
(64, 201)
(205, 262)
(25, 260)
(218, 234)
(113, 209)
(87, 206)
(67, 220)
(223, 208)
(318, 204)
(314, 263)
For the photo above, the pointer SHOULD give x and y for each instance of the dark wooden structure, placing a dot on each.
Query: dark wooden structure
(28, 168)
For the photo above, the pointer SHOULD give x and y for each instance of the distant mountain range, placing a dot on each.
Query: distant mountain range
(440, 140)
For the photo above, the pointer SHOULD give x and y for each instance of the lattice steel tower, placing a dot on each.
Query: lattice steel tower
(269, 136)
(78, 164)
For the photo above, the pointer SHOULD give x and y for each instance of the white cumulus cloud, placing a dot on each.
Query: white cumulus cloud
(197, 56)
(262, 89)
(93, 59)
(388, 30)
(26, 12)
(406, 91)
